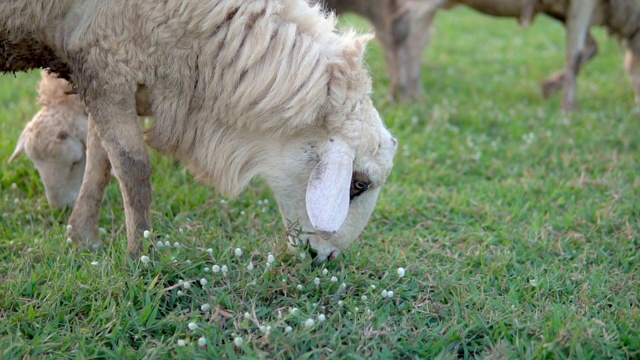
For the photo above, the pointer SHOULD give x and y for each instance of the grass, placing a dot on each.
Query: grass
(517, 225)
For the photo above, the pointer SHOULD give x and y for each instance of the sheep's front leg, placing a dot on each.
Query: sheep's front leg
(554, 83)
(117, 125)
(632, 66)
(84, 217)
(578, 21)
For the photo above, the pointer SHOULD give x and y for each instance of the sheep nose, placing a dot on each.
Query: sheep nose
(317, 261)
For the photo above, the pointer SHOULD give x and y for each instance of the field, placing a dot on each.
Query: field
(517, 226)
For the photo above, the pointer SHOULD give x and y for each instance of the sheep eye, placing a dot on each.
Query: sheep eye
(360, 183)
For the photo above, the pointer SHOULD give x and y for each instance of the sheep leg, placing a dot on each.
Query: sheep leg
(553, 84)
(632, 65)
(114, 119)
(577, 28)
(84, 217)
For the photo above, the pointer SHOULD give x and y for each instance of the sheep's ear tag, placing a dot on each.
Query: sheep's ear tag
(19, 150)
(328, 188)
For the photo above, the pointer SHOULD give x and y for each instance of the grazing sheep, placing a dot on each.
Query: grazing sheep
(237, 88)
(396, 24)
(55, 141)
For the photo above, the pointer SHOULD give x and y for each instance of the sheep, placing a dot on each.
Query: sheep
(54, 140)
(237, 89)
(400, 20)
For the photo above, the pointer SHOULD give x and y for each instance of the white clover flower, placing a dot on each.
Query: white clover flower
(373, 287)
(533, 282)
(368, 311)
(384, 293)
(206, 269)
(364, 297)
(316, 281)
(182, 342)
(215, 268)
(102, 231)
(270, 259)
(94, 263)
(303, 255)
(322, 318)
(180, 293)
(299, 287)
(210, 251)
(343, 286)
(340, 303)
(224, 269)
(192, 326)
(203, 281)
(69, 227)
(238, 341)
(14, 186)
(238, 252)
(205, 307)
(390, 294)
(176, 244)
(186, 285)
(356, 309)
(188, 262)
(265, 329)
(167, 244)
(69, 241)
(180, 282)
(202, 341)
(250, 266)
(181, 230)
(159, 244)
(325, 272)
(334, 279)
(401, 272)
(145, 259)
(259, 202)
(288, 329)
(247, 316)
(146, 234)
(293, 311)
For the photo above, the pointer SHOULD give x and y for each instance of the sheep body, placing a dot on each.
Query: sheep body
(54, 140)
(237, 88)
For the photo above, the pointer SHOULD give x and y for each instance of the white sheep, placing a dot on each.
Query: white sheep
(237, 88)
(54, 140)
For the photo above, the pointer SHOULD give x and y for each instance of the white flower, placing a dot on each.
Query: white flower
(373, 287)
(242, 212)
(69, 241)
(343, 286)
(238, 252)
(14, 186)
(321, 318)
(238, 341)
(102, 231)
(188, 262)
(205, 307)
(288, 329)
(401, 272)
(533, 282)
(264, 329)
(210, 251)
(159, 244)
(364, 297)
(186, 285)
(303, 256)
(325, 272)
(390, 294)
(309, 323)
(334, 279)
(180, 293)
(203, 281)
(94, 263)
(247, 316)
(69, 227)
(182, 342)
(180, 282)
(250, 266)
(299, 287)
(384, 293)
(316, 281)
(293, 311)
(192, 326)
(167, 244)
(340, 303)
(202, 341)
(224, 269)
(176, 244)
(146, 234)
(145, 259)
(215, 268)
(270, 259)
(206, 269)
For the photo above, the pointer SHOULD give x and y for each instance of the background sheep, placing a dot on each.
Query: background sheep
(402, 28)
(237, 88)
(54, 140)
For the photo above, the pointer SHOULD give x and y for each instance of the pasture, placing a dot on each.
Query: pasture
(517, 226)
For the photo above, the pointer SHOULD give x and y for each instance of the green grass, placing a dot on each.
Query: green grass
(517, 225)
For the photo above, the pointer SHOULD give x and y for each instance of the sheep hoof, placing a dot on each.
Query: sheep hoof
(550, 87)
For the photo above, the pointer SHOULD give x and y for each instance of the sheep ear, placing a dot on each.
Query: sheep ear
(328, 188)
(19, 150)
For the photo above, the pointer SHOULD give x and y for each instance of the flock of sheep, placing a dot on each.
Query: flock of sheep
(240, 89)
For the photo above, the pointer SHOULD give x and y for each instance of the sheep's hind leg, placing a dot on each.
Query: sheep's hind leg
(632, 65)
(578, 23)
(115, 119)
(84, 218)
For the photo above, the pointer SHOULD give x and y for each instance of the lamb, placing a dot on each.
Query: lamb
(54, 140)
(401, 20)
(238, 89)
